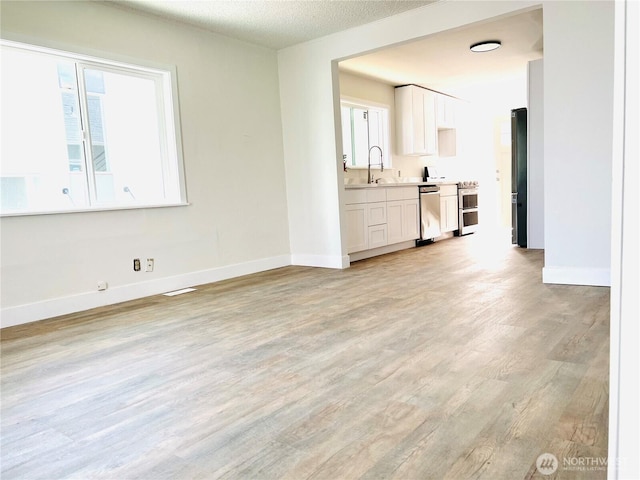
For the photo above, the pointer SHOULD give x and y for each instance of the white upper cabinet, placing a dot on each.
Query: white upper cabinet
(447, 117)
(446, 111)
(416, 127)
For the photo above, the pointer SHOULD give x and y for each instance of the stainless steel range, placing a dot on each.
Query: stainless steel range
(467, 207)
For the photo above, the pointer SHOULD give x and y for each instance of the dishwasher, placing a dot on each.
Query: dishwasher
(429, 213)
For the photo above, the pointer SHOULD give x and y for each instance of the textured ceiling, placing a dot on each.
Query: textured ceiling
(274, 23)
(442, 61)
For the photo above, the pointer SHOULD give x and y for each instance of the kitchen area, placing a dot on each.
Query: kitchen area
(427, 161)
(414, 197)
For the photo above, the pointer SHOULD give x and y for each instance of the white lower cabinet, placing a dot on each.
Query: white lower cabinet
(448, 208)
(395, 221)
(373, 223)
(403, 217)
(357, 227)
(411, 219)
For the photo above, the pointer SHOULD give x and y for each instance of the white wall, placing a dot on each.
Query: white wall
(232, 145)
(578, 116)
(535, 157)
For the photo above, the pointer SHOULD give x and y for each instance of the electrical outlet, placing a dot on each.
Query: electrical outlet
(102, 285)
(149, 267)
(136, 264)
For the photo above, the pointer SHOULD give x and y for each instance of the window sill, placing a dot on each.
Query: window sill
(91, 210)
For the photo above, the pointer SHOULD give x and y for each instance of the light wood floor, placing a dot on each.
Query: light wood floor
(452, 360)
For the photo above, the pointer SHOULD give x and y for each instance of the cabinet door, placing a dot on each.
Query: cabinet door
(404, 120)
(403, 220)
(446, 111)
(443, 214)
(418, 118)
(357, 228)
(452, 213)
(411, 219)
(448, 213)
(377, 236)
(430, 127)
(395, 221)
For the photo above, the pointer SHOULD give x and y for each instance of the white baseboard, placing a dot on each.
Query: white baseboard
(374, 252)
(33, 312)
(323, 261)
(597, 277)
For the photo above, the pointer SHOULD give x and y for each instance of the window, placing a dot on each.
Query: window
(80, 133)
(364, 126)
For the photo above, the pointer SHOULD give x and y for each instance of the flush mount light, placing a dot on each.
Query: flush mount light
(486, 46)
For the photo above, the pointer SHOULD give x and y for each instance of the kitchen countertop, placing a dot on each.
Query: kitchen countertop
(400, 184)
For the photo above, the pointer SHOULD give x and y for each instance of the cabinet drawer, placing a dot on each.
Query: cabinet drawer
(446, 190)
(355, 195)
(402, 193)
(376, 194)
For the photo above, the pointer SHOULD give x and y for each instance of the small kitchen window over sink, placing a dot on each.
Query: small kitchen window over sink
(364, 126)
(83, 133)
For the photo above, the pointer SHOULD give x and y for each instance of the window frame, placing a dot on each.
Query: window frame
(172, 161)
(346, 101)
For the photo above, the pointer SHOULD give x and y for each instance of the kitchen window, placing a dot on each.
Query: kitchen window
(82, 133)
(364, 126)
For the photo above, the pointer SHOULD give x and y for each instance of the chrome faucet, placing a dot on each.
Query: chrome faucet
(369, 178)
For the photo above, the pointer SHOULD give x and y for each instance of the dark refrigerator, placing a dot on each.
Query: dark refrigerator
(519, 177)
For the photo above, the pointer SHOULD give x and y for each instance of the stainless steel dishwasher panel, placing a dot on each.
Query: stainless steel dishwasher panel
(429, 212)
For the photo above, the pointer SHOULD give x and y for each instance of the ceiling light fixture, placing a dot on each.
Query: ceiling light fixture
(485, 46)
